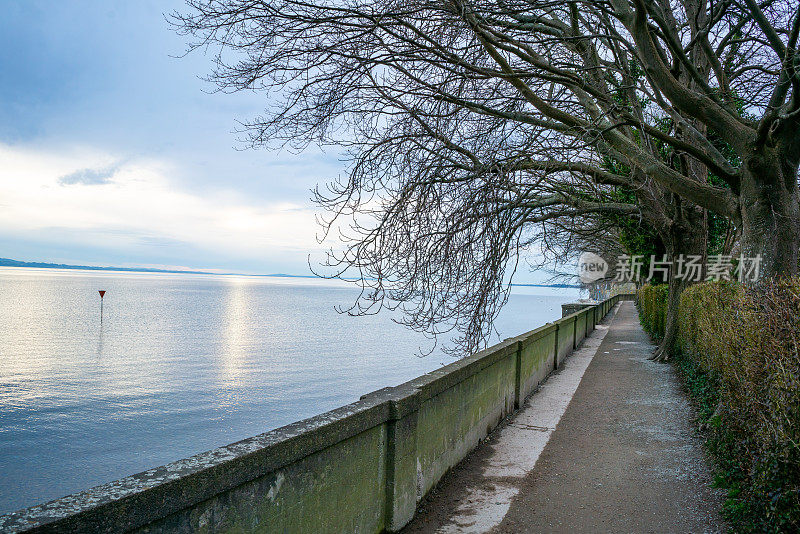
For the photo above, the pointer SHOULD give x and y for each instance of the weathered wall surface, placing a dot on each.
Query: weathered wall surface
(360, 468)
(566, 336)
(537, 359)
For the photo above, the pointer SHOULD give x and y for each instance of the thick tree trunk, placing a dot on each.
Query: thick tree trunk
(685, 237)
(666, 349)
(770, 211)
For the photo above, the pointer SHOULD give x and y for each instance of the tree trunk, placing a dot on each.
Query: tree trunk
(666, 349)
(685, 237)
(770, 210)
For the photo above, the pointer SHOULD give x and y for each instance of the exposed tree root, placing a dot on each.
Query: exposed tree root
(661, 355)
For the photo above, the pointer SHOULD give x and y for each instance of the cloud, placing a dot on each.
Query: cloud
(88, 177)
(143, 212)
(159, 241)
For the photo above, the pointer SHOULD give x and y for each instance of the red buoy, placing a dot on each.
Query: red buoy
(102, 294)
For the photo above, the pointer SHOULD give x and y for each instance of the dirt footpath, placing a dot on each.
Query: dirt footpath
(624, 457)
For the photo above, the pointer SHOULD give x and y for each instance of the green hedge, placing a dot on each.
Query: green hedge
(740, 355)
(652, 303)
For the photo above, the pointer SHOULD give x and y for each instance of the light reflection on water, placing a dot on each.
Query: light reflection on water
(181, 364)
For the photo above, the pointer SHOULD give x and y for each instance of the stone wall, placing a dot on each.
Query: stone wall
(363, 467)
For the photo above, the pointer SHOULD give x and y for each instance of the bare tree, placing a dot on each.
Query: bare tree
(470, 123)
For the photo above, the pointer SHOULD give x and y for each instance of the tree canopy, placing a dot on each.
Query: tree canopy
(476, 128)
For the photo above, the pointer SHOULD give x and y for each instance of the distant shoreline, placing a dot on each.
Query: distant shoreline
(7, 262)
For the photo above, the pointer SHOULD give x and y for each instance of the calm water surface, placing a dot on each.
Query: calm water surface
(181, 364)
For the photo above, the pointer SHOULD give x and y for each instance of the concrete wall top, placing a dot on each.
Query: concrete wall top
(141, 498)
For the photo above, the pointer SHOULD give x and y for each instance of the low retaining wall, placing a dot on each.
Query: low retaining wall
(568, 308)
(359, 468)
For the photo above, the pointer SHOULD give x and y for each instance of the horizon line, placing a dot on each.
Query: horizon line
(8, 262)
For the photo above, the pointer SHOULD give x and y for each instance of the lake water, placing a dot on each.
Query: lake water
(181, 364)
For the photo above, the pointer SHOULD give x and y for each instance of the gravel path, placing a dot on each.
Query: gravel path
(624, 457)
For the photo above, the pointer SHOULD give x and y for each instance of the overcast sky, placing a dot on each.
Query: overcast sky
(114, 151)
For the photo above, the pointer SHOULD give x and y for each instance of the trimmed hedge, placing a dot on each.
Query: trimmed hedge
(652, 304)
(740, 355)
